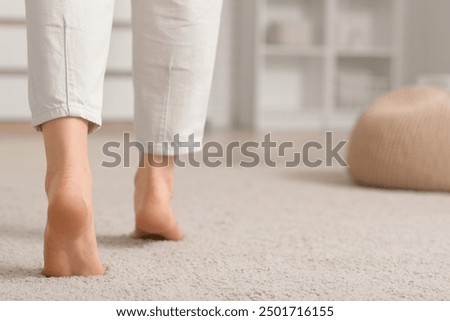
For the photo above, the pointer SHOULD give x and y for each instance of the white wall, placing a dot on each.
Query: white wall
(13, 83)
(427, 41)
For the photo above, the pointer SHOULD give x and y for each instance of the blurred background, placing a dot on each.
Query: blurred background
(281, 64)
(290, 67)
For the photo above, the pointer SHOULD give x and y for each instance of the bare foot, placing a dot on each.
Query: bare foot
(152, 201)
(70, 246)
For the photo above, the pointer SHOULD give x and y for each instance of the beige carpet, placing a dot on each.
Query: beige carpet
(252, 234)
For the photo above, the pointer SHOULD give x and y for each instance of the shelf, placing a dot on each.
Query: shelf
(23, 71)
(290, 121)
(349, 111)
(10, 22)
(292, 50)
(293, 111)
(21, 22)
(319, 51)
(368, 52)
(13, 71)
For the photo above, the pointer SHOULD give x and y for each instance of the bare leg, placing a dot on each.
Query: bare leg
(152, 200)
(70, 246)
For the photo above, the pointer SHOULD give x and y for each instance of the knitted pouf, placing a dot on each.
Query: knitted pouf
(403, 141)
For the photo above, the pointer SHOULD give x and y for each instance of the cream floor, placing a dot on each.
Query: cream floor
(251, 234)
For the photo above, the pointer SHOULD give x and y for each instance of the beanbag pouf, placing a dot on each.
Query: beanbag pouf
(403, 141)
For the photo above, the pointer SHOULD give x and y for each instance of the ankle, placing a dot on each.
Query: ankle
(152, 172)
(151, 161)
(74, 177)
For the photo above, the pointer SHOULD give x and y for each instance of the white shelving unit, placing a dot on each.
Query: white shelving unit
(316, 63)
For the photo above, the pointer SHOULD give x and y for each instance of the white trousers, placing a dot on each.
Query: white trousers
(174, 48)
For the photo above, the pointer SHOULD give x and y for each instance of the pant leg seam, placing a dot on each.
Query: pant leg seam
(167, 104)
(66, 66)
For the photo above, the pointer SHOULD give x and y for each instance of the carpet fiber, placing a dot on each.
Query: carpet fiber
(251, 234)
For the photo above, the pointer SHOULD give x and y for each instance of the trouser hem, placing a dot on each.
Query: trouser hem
(94, 118)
